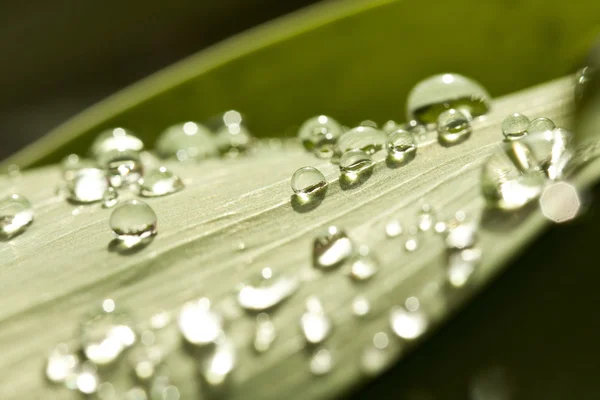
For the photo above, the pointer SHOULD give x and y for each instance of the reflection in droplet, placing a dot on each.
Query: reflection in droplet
(117, 139)
(110, 198)
(198, 324)
(355, 166)
(321, 362)
(88, 185)
(123, 167)
(462, 265)
(73, 163)
(314, 323)
(401, 146)
(16, 213)
(320, 134)
(515, 126)
(62, 362)
(430, 97)
(187, 141)
(365, 138)
(217, 367)
(408, 324)
(85, 381)
(393, 228)
(331, 248)
(265, 293)
(461, 236)
(540, 125)
(265, 333)
(133, 222)
(308, 180)
(159, 182)
(453, 127)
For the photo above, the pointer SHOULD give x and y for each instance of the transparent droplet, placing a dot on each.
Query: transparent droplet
(321, 362)
(552, 150)
(401, 146)
(453, 127)
(133, 222)
(159, 182)
(217, 367)
(16, 213)
(461, 237)
(267, 292)
(320, 134)
(144, 361)
(308, 180)
(411, 244)
(540, 125)
(265, 333)
(432, 96)
(85, 380)
(123, 167)
(331, 248)
(117, 139)
(355, 166)
(73, 163)
(62, 363)
(365, 138)
(234, 137)
(390, 126)
(314, 323)
(407, 324)
(582, 79)
(361, 306)
(462, 265)
(425, 218)
(110, 198)
(393, 229)
(13, 171)
(364, 267)
(105, 335)
(515, 126)
(88, 186)
(187, 141)
(198, 324)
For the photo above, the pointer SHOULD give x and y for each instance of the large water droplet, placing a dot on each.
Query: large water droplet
(88, 186)
(159, 182)
(368, 139)
(123, 167)
(217, 367)
(265, 333)
(265, 293)
(408, 324)
(553, 150)
(356, 167)
(321, 362)
(314, 323)
(462, 265)
(453, 127)
(16, 213)
(117, 139)
(540, 125)
(432, 96)
(62, 363)
(187, 141)
(320, 134)
(376, 356)
(401, 146)
(133, 222)
(308, 180)
(331, 248)
(198, 324)
(515, 126)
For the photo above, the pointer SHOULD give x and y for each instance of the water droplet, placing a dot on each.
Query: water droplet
(411, 244)
(461, 237)
(425, 219)
(265, 333)
(408, 324)
(160, 320)
(365, 138)
(123, 167)
(162, 389)
(364, 267)
(376, 357)
(314, 323)
(198, 324)
(361, 306)
(159, 182)
(331, 248)
(233, 137)
(540, 125)
(319, 135)
(73, 163)
(85, 381)
(462, 265)
(355, 166)
(267, 292)
(110, 198)
(117, 139)
(187, 141)
(105, 335)
(88, 186)
(401, 146)
(144, 361)
(308, 180)
(430, 97)
(16, 213)
(453, 127)
(217, 367)
(133, 222)
(553, 150)
(515, 126)
(393, 229)
(440, 227)
(61, 364)
(582, 79)
(390, 126)
(321, 362)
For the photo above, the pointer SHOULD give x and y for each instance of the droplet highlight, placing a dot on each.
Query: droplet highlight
(401, 147)
(88, 186)
(199, 324)
(407, 324)
(314, 323)
(16, 214)
(453, 127)
(159, 182)
(320, 134)
(267, 292)
(515, 126)
(187, 141)
(331, 248)
(117, 139)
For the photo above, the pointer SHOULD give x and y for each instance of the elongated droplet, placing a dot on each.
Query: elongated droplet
(217, 367)
(365, 138)
(430, 97)
(110, 198)
(540, 125)
(263, 294)
(331, 248)
(198, 324)
(364, 267)
(265, 333)
(307, 181)
(117, 139)
(159, 182)
(16, 213)
(133, 222)
(62, 362)
(401, 146)
(553, 151)
(320, 134)
(393, 229)
(123, 167)
(453, 127)
(461, 237)
(187, 141)
(321, 362)
(462, 265)
(515, 126)
(88, 186)
(407, 324)
(314, 323)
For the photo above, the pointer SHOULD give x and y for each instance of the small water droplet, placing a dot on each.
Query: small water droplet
(314, 323)
(187, 141)
(117, 139)
(133, 222)
(198, 324)
(321, 362)
(62, 363)
(364, 267)
(320, 134)
(16, 213)
(265, 333)
(462, 265)
(453, 127)
(356, 167)
(217, 367)
(73, 163)
(123, 167)
(13, 171)
(361, 306)
(401, 146)
(440, 227)
(162, 389)
(159, 182)
(582, 79)
(540, 125)
(407, 324)
(432, 96)
(411, 244)
(462, 236)
(515, 126)
(144, 361)
(307, 181)
(110, 198)
(390, 126)
(393, 229)
(160, 320)
(365, 138)
(267, 291)
(88, 186)
(233, 139)
(85, 380)
(331, 248)
(425, 218)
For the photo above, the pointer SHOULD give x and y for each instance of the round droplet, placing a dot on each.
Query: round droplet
(233, 138)
(366, 138)
(355, 165)
(331, 248)
(187, 141)
(123, 167)
(432, 96)
(198, 324)
(321, 362)
(408, 325)
(266, 292)
(461, 266)
(62, 363)
(85, 381)
(361, 306)
(308, 180)
(364, 267)
(393, 228)
(110, 198)
(319, 135)
(401, 146)
(117, 139)
(515, 126)
(453, 127)
(144, 361)
(159, 182)
(133, 221)
(73, 163)
(425, 218)
(16, 213)
(88, 186)
(540, 125)
(461, 237)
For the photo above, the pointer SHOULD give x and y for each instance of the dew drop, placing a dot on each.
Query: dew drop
(187, 141)
(123, 167)
(364, 267)
(411, 244)
(432, 96)
(408, 324)
(461, 237)
(462, 265)
(73, 163)
(233, 137)
(198, 324)
(376, 356)
(217, 367)
(117, 139)
(85, 381)
(365, 138)
(331, 248)
(110, 198)
(144, 361)
(159, 182)
(425, 218)
(320, 134)
(16, 213)
(582, 79)
(321, 362)
(88, 186)
(453, 127)
(62, 363)
(314, 323)
(308, 180)
(553, 150)
(401, 146)
(133, 222)
(393, 228)
(267, 292)
(361, 306)
(540, 125)
(265, 333)
(515, 126)
(356, 166)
